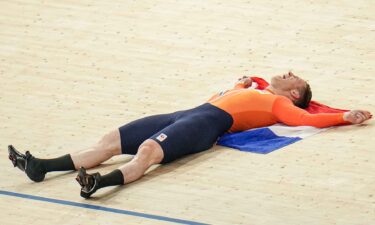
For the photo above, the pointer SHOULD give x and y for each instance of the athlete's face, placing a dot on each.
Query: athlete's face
(287, 82)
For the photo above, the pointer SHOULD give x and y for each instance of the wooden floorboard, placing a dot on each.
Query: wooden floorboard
(72, 70)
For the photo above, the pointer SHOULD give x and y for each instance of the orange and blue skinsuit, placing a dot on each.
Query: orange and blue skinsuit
(195, 130)
(251, 108)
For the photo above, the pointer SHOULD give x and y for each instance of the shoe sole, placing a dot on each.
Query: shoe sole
(20, 161)
(82, 180)
(16, 157)
(81, 177)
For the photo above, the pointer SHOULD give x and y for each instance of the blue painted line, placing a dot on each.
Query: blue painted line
(100, 208)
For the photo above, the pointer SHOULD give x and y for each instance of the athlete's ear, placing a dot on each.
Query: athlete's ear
(295, 94)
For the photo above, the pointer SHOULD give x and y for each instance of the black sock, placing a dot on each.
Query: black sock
(113, 178)
(62, 163)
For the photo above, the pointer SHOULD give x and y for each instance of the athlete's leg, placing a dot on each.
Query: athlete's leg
(36, 168)
(127, 139)
(149, 153)
(109, 145)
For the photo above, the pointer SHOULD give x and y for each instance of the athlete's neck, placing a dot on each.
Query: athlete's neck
(277, 91)
(270, 89)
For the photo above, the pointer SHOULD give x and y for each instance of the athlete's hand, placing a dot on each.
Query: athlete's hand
(246, 81)
(357, 116)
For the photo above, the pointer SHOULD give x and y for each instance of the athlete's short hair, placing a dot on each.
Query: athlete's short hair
(305, 99)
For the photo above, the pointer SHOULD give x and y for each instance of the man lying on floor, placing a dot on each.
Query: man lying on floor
(164, 138)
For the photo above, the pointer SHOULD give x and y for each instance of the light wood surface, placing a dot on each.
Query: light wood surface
(72, 70)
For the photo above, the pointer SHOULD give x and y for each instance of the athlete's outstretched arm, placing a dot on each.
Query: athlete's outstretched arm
(291, 115)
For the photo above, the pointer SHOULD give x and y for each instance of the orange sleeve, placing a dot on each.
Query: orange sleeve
(291, 115)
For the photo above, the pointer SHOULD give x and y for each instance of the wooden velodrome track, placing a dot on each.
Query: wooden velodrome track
(72, 70)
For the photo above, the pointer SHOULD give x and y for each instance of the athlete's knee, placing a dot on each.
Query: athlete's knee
(110, 143)
(150, 152)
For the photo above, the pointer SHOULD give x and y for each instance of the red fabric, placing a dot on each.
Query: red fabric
(262, 84)
(314, 106)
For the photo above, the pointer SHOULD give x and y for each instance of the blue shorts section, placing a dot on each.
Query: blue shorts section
(179, 133)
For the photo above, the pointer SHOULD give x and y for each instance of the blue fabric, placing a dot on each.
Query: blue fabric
(179, 133)
(261, 140)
